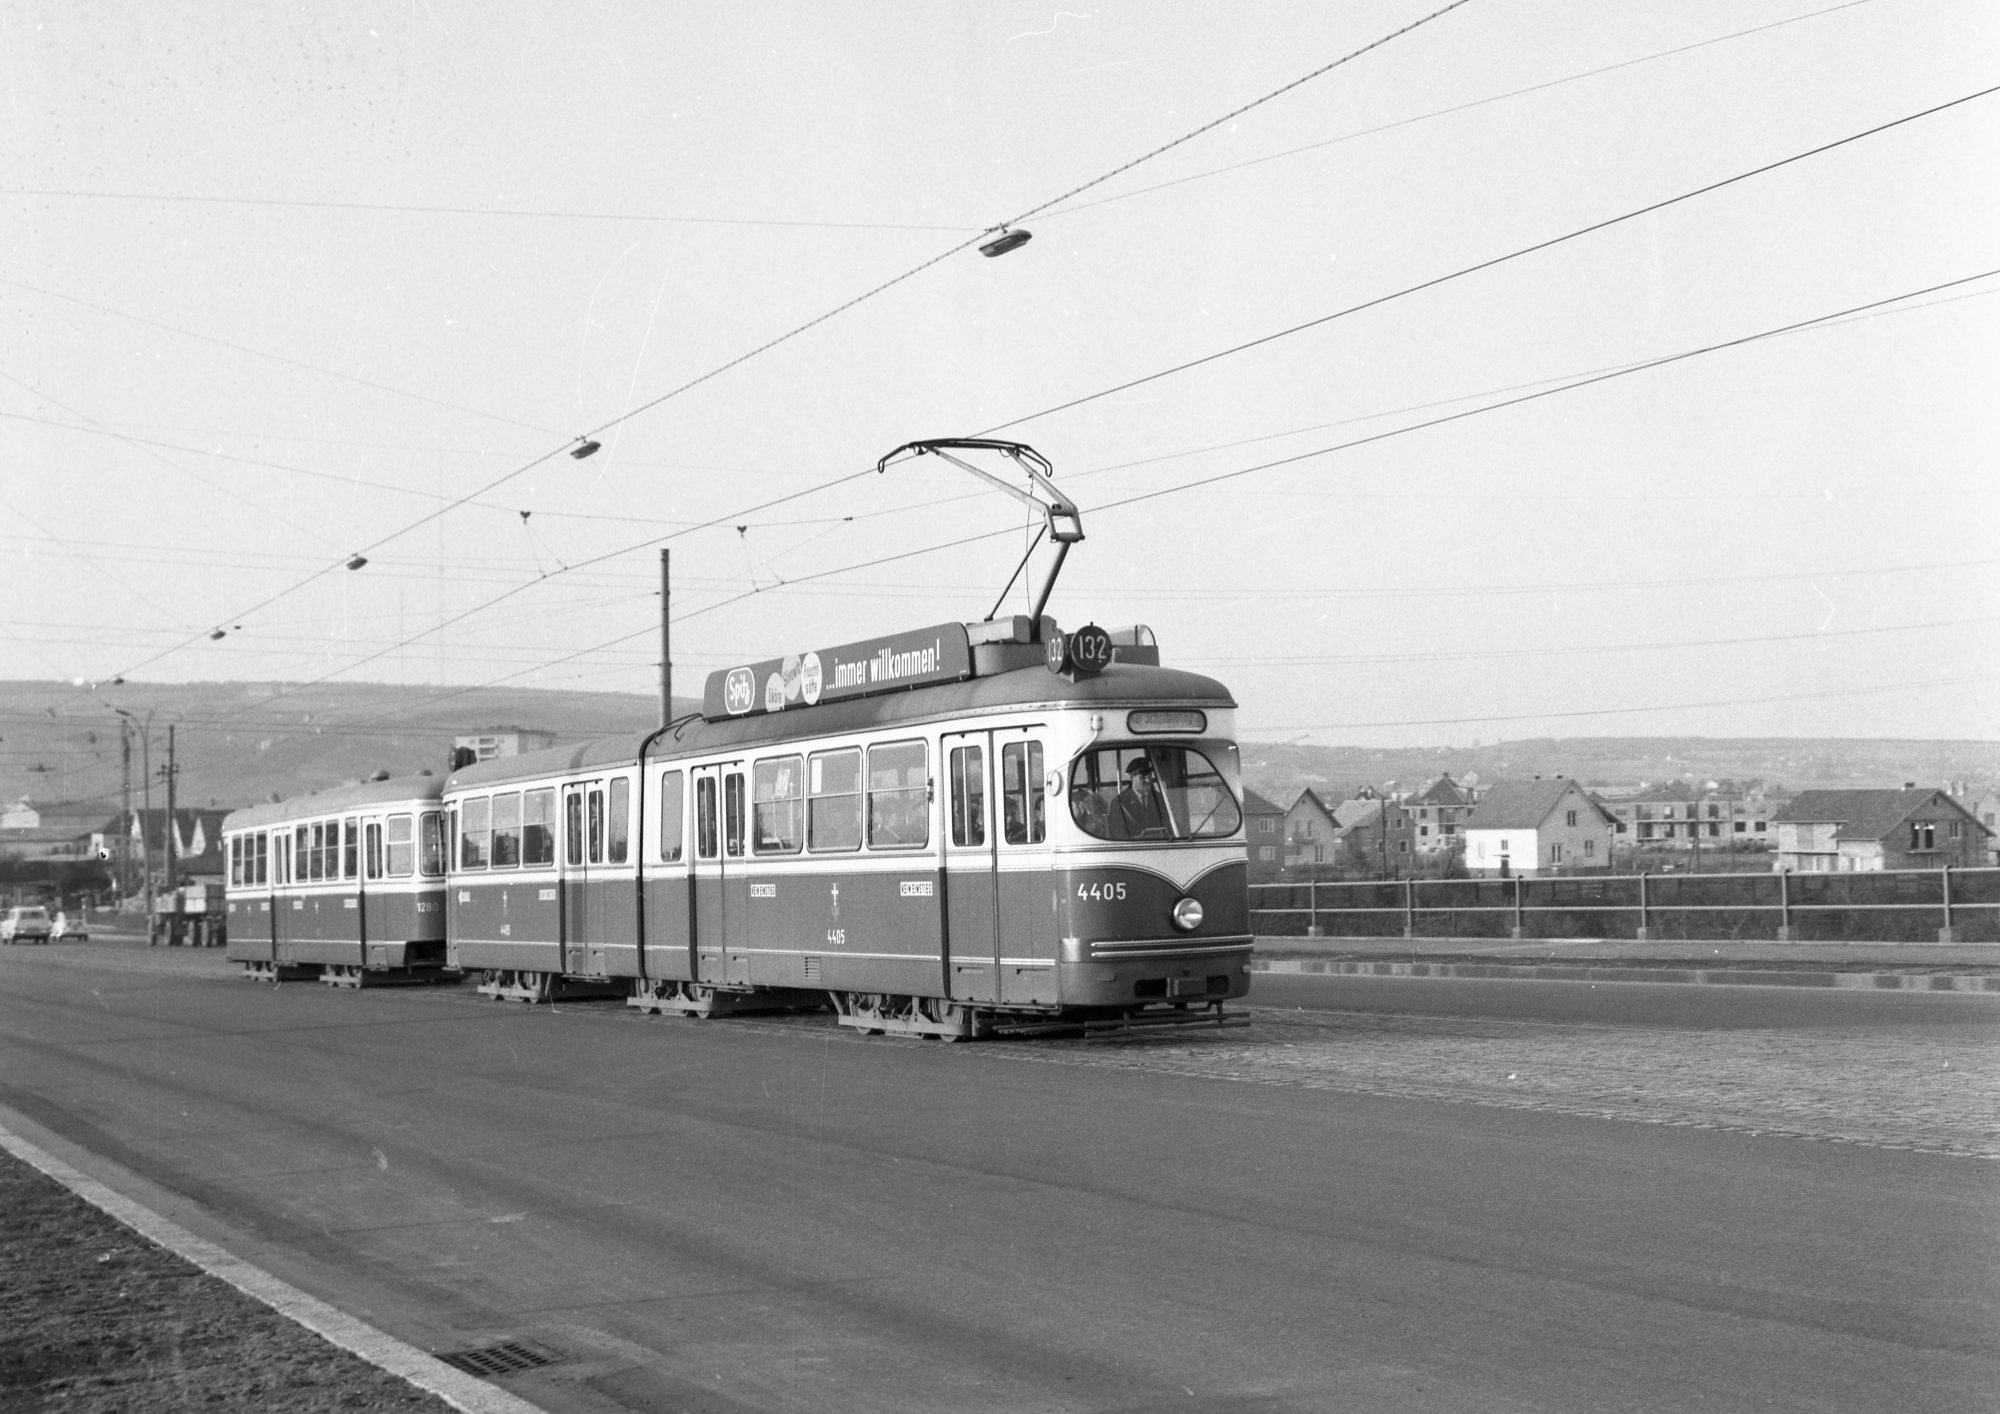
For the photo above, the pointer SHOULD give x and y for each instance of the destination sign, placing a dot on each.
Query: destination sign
(902, 660)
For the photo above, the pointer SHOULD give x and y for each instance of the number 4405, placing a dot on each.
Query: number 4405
(1105, 893)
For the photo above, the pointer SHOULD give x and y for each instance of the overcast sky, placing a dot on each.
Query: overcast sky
(282, 283)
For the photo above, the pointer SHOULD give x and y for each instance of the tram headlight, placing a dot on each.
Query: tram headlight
(1187, 914)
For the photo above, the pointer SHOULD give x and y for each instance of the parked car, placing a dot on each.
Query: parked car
(25, 923)
(68, 930)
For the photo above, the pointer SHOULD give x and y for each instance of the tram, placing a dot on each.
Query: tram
(989, 828)
(344, 884)
(952, 832)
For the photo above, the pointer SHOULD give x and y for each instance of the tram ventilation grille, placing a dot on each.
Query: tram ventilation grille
(508, 1359)
(812, 969)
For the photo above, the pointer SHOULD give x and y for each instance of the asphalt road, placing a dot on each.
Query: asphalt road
(780, 1216)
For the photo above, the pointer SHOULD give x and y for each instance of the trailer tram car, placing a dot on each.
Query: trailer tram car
(344, 884)
(966, 830)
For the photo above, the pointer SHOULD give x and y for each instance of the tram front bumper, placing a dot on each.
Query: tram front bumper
(1133, 971)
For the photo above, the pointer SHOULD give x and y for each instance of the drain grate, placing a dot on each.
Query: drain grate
(507, 1359)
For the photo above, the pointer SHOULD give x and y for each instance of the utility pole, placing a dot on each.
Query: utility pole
(170, 807)
(666, 638)
(125, 815)
(146, 787)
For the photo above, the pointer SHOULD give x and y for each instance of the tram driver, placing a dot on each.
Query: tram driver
(1139, 812)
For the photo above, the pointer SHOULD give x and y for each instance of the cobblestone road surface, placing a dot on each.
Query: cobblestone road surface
(1934, 1095)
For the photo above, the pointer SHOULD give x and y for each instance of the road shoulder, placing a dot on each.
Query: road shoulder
(289, 1351)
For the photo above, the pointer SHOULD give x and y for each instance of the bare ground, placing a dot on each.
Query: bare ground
(94, 1317)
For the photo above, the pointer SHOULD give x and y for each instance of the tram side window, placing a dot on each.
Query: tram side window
(833, 808)
(235, 860)
(1021, 792)
(597, 825)
(402, 847)
(316, 852)
(573, 827)
(673, 789)
(260, 849)
(350, 848)
(619, 835)
(538, 828)
(507, 830)
(371, 836)
(968, 795)
(899, 815)
(732, 814)
(475, 832)
(431, 860)
(704, 818)
(776, 791)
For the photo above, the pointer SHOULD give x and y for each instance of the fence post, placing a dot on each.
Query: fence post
(1644, 932)
(1945, 934)
(1520, 924)
(1312, 903)
(1784, 905)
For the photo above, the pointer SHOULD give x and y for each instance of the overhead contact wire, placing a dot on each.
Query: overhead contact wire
(1488, 264)
(829, 314)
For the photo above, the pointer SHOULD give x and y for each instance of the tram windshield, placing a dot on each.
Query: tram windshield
(1150, 793)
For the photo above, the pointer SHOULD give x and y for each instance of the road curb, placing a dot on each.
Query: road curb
(418, 1367)
(1690, 976)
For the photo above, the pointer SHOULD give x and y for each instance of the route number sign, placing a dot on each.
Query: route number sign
(1090, 649)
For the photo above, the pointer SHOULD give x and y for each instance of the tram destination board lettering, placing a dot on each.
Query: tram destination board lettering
(890, 664)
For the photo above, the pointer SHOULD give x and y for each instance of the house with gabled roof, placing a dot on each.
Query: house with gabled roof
(1547, 825)
(1264, 828)
(1859, 831)
(1311, 831)
(1375, 834)
(1440, 813)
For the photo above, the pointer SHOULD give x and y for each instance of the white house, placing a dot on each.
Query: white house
(1543, 826)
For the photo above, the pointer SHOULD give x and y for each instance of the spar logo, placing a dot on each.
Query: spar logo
(739, 691)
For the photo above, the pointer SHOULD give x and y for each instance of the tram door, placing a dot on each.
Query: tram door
(583, 888)
(284, 925)
(721, 889)
(971, 879)
(260, 916)
(1025, 881)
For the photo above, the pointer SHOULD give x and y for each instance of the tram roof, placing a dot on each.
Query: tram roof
(1120, 684)
(395, 790)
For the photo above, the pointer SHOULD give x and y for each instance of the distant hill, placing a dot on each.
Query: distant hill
(1281, 770)
(238, 742)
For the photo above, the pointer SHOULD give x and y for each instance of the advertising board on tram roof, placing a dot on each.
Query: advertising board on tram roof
(941, 653)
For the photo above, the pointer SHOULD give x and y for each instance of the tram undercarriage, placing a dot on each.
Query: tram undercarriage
(871, 1013)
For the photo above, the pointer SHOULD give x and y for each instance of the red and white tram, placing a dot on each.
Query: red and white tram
(951, 832)
(346, 884)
